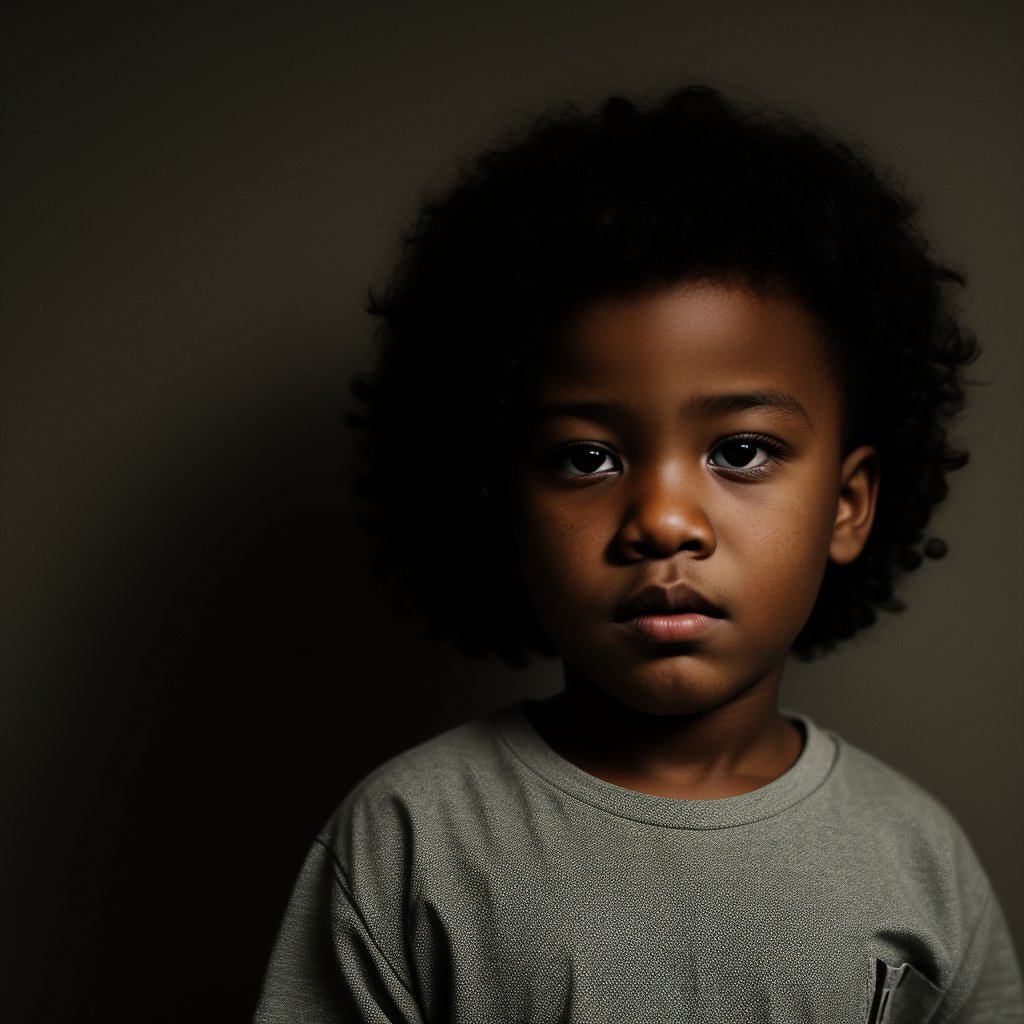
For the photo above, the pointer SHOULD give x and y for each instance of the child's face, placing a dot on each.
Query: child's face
(683, 489)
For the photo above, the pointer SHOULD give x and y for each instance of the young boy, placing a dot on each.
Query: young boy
(668, 391)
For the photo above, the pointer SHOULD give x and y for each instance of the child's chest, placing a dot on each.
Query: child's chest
(594, 918)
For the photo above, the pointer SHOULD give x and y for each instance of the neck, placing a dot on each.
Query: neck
(733, 748)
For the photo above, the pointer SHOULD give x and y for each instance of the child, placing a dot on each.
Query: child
(668, 392)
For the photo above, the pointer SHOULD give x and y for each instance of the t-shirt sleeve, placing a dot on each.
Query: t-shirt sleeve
(990, 973)
(326, 966)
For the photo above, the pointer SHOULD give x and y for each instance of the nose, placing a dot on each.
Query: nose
(665, 516)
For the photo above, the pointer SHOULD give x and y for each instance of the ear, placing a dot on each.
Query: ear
(858, 496)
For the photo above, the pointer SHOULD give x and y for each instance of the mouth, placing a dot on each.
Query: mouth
(672, 613)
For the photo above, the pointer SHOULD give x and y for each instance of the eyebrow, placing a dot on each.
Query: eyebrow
(603, 412)
(766, 398)
(600, 412)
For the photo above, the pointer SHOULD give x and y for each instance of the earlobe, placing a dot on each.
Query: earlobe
(858, 496)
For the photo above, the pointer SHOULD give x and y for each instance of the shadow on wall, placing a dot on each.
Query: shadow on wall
(226, 673)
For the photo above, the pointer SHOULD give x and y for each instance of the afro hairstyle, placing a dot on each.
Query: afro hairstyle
(582, 204)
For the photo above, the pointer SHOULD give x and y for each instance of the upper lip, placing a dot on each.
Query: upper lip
(668, 599)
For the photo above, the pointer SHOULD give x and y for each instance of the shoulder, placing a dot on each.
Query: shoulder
(900, 823)
(441, 767)
(423, 794)
(885, 792)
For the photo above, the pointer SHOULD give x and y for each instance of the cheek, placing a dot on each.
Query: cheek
(558, 548)
(549, 544)
(781, 547)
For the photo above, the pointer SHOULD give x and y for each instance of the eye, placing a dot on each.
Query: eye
(751, 456)
(584, 459)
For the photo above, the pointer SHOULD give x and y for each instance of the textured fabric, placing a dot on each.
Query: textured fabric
(481, 877)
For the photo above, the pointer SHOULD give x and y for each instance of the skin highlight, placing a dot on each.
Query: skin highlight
(682, 490)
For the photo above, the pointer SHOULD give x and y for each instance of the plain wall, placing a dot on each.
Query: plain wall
(198, 665)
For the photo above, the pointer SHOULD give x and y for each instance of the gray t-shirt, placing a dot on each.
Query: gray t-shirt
(482, 877)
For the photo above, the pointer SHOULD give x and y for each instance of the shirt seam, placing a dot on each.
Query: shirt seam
(341, 878)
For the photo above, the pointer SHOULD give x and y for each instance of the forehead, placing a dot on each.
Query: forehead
(689, 341)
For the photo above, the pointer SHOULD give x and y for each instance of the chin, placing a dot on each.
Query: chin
(674, 697)
(695, 684)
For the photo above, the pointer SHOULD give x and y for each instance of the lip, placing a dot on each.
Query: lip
(676, 628)
(669, 613)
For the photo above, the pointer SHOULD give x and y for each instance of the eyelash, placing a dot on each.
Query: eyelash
(557, 459)
(773, 449)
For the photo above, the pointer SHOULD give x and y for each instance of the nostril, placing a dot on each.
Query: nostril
(646, 548)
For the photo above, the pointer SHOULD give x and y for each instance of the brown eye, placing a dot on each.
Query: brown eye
(747, 454)
(584, 460)
(738, 455)
(588, 460)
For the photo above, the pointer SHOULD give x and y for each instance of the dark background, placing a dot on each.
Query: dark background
(196, 663)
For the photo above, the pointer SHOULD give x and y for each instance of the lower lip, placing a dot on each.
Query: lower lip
(668, 629)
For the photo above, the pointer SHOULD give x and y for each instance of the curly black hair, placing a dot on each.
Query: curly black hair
(584, 204)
